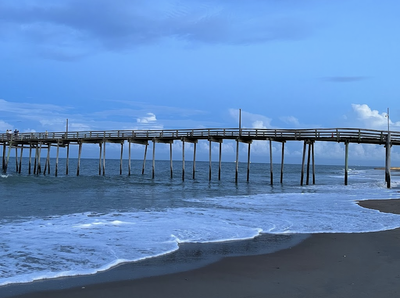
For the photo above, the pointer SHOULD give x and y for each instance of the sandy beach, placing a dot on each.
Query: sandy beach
(324, 265)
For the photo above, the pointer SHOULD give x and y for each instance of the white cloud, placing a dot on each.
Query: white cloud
(4, 126)
(147, 119)
(372, 118)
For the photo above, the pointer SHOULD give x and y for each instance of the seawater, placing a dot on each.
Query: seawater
(68, 225)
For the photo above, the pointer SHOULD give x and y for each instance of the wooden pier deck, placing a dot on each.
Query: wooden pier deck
(45, 140)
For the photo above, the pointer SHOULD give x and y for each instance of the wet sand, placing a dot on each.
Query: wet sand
(324, 265)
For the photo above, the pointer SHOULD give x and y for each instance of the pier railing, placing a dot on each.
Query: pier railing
(352, 135)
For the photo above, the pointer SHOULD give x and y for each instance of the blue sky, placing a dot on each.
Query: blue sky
(126, 64)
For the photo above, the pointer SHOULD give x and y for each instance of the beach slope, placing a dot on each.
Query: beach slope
(324, 265)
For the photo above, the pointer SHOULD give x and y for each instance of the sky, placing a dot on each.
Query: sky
(163, 64)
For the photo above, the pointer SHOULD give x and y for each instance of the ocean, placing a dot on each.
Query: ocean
(61, 226)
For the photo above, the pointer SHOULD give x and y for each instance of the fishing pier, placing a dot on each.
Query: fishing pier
(43, 141)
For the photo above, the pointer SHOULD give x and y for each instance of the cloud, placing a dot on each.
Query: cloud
(4, 126)
(345, 79)
(147, 119)
(372, 118)
(70, 29)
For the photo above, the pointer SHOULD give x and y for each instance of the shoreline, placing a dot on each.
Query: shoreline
(323, 265)
(189, 256)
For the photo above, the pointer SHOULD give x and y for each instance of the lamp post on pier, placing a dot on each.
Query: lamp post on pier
(388, 121)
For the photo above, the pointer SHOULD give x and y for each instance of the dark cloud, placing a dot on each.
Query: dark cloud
(345, 79)
(83, 26)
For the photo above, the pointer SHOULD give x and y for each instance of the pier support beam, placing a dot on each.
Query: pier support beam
(313, 161)
(100, 148)
(346, 163)
(48, 158)
(45, 166)
(282, 160)
(194, 159)
(20, 159)
(183, 160)
(30, 159)
(120, 161)
(154, 160)
(190, 140)
(217, 140)
(308, 163)
(129, 158)
(302, 163)
(104, 158)
(209, 158)
(67, 162)
(237, 161)
(248, 162)
(219, 160)
(39, 168)
(16, 158)
(387, 164)
(79, 159)
(4, 157)
(144, 158)
(35, 161)
(8, 156)
(58, 152)
(270, 162)
(170, 159)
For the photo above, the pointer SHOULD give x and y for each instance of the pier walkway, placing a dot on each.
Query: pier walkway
(45, 140)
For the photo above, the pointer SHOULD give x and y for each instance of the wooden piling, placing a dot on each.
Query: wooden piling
(45, 168)
(271, 163)
(308, 164)
(8, 155)
(154, 159)
(209, 159)
(387, 164)
(120, 160)
(282, 161)
(67, 161)
(39, 167)
(220, 156)
(16, 158)
(30, 159)
(100, 149)
(4, 157)
(170, 159)
(35, 161)
(144, 158)
(346, 163)
(302, 163)
(237, 160)
(248, 162)
(194, 159)
(58, 152)
(48, 158)
(20, 159)
(313, 162)
(129, 158)
(104, 158)
(183, 160)
(79, 159)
